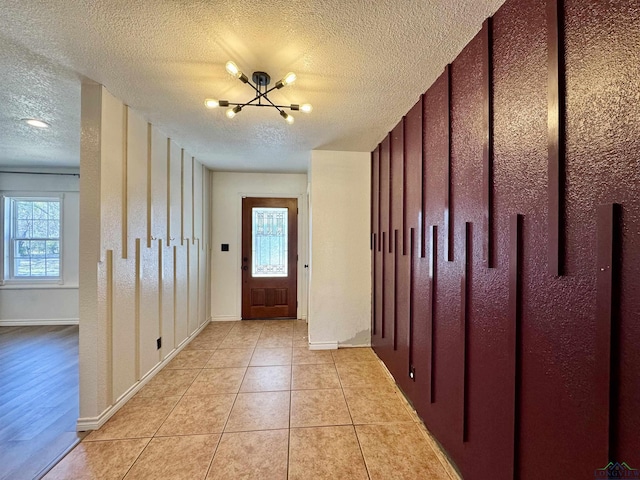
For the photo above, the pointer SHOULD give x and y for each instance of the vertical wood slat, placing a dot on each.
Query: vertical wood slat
(198, 291)
(188, 297)
(193, 201)
(182, 196)
(384, 269)
(372, 200)
(396, 261)
(374, 286)
(555, 133)
(514, 349)
(138, 294)
(404, 185)
(433, 271)
(149, 209)
(379, 191)
(390, 190)
(423, 185)
(412, 248)
(487, 147)
(160, 294)
(607, 334)
(464, 318)
(125, 181)
(448, 224)
(169, 232)
(109, 265)
(175, 293)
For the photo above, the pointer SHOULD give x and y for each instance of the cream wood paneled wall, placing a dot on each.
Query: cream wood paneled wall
(144, 252)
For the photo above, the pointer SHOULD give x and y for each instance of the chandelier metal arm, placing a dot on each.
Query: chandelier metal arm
(251, 104)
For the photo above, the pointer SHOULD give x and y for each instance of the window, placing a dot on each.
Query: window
(33, 240)
(269, 244)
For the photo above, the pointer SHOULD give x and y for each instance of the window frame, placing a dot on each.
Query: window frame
(7, 227)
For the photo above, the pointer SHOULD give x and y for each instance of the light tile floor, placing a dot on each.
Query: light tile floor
(248, 400)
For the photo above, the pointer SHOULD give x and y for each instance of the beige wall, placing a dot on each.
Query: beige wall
(228, 188)
(340, 267)
(144, 252)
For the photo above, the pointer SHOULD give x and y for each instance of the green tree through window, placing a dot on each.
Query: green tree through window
(35, 238)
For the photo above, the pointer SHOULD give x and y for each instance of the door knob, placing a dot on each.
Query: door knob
(245, 268)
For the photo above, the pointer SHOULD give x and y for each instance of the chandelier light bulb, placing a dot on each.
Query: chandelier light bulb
(289, 78)
(211, 103)
(306, 107)
(233, 111)
(233, 69)
(287, 117)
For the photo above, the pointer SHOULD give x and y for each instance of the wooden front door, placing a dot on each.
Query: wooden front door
(269, 257)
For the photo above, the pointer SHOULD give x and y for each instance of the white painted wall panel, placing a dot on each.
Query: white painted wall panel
(340, 267)
(124, 325)
(187, 198)
(149, 307)
(175, 193)
(155, 290)
(136, 179)
(168, 323)
(193, 287)
(158, 185)
(181, 296)
(198, 200)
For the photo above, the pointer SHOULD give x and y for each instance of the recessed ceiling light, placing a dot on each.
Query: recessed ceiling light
(36, 123)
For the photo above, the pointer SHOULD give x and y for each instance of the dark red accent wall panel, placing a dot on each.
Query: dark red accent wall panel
(398, 362)
(384, 347)
(413, 195)
(377, 257)
(543, 371)
(602, 44)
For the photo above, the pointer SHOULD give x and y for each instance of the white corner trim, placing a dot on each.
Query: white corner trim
(94, 423)
(30, 322)
(323, 345)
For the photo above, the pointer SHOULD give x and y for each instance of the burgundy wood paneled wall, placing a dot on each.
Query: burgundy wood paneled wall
(506, 244)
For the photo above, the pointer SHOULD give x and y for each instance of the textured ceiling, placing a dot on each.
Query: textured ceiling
(362, 64)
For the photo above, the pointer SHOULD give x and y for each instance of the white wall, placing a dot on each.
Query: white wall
(227, 190)
(51, 304)
(143, 256)
(340, 267)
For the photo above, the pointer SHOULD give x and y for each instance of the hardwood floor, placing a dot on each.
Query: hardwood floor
(38, 398)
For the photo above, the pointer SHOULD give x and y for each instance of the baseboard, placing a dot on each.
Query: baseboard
(323, 345)
(225, 318)
(350, 345)
(94, 423)
(39, 322)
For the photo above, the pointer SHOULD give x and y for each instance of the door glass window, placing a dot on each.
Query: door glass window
(269, 246)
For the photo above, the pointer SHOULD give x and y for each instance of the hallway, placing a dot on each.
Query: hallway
(249, 400)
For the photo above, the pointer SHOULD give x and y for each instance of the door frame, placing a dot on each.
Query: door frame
(303, 248)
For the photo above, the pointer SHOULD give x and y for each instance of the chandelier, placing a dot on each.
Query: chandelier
(260, 84)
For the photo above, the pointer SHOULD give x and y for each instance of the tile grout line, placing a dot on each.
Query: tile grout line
(215, 450)
(355, 432)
